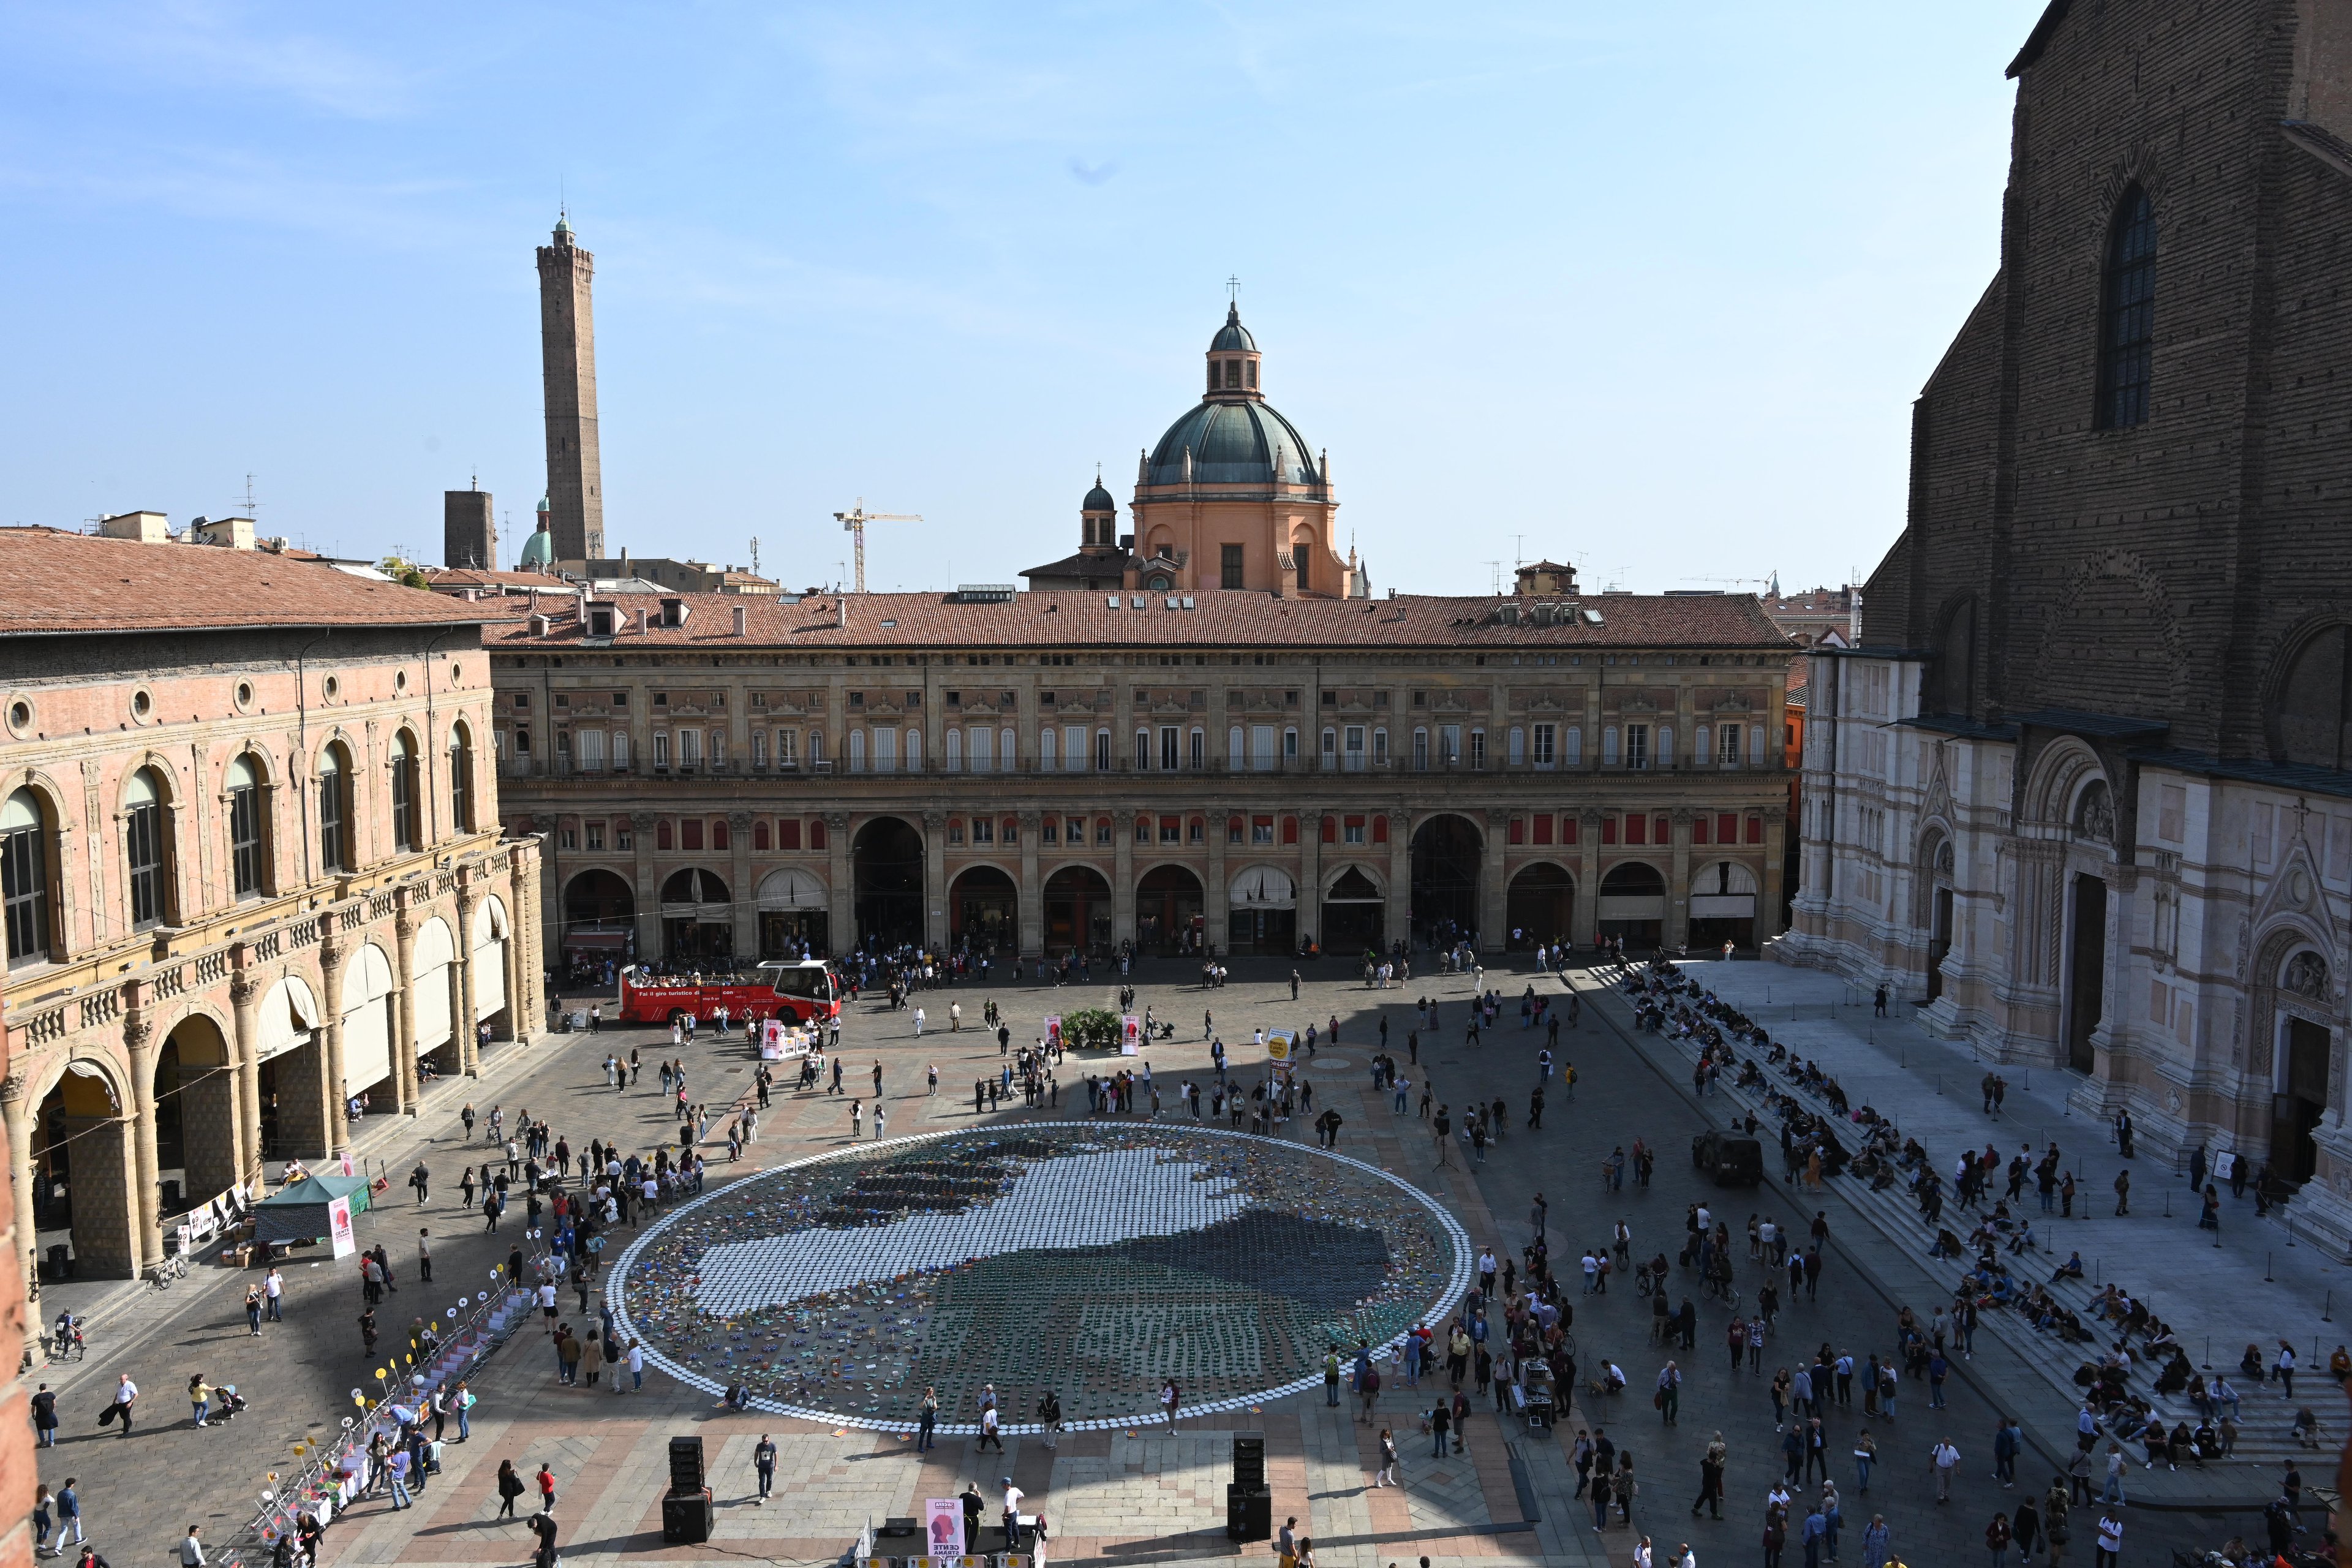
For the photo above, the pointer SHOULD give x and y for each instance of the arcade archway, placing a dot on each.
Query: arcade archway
(1077, 909)
(698, 919)
(83, 1181)
(1539, 904)
(886, 866)
(600, 923)
(1353, 910)
(1447, 852)
(984, 912)
(1633, 905)
(1169, 902)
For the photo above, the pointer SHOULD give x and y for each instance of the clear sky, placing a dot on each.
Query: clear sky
(1647, 288)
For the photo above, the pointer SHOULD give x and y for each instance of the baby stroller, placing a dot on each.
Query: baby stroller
(227, 1404)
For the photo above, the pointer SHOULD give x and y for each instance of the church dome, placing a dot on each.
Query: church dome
(1099, 499)
(1237, 443)
(1232, 337)
(538, 549)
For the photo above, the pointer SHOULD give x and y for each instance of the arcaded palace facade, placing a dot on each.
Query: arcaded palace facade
(1211, 740)
(2083, 793)
(249, 827)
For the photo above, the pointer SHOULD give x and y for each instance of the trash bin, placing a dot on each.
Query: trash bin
(60, 1261)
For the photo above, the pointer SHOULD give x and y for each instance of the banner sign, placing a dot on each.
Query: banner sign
(1054, 1030)
(943, 1525)
(339, 1226)
(1130, 1034)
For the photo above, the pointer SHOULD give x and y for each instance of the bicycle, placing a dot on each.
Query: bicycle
(160, 1275)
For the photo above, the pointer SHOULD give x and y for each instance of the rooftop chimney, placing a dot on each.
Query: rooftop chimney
(741, 615)
(642, 616)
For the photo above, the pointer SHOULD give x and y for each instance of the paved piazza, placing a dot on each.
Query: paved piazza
(1094, 1259)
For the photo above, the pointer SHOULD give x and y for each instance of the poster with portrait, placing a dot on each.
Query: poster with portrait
(1054, 1030)
(1130, 1034)
(944, 1526)
(339, 1226)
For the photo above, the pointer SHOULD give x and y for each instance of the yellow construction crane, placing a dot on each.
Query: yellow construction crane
(854, 521)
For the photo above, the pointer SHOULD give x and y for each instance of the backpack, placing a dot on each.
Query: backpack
(1371, 1379)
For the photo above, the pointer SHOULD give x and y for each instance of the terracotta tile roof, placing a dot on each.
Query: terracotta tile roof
(1222, 619)
(451, 578)
(53, 582)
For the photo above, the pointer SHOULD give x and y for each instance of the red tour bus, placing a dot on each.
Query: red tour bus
(801, 991)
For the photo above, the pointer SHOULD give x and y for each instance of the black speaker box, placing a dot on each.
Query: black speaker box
(685, 1517)
(1249, 1459)
(1249, 1513)
(686, 1464)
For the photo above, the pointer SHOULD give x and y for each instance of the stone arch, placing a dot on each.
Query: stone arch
(984, 906)
(2095, 648)
(2307, 695)
(2297, 1043)
(83, 1177)
(1540, 903)
(791, 888)
(195, 1092)
(2055, 784)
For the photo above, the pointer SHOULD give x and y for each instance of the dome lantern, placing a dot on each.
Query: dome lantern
(1234, 359)
(1098, 518)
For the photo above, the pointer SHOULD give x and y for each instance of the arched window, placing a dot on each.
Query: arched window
(142, 849)
(461, 780)
(245, 852)
(2311, 720)
(334, 810)
(2127, 314)
(25, 877)
(403, 792)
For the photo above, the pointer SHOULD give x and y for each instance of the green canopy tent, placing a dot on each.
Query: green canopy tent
(299, 1213)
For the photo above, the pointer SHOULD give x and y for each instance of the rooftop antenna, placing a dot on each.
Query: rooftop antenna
(248, 503)
(1518, 549)
(1495, 569)
(755, 555)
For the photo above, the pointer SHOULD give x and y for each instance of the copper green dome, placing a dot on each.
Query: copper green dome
(1232, 337)
(1099, 499)
(538, 549)
(1241, 442)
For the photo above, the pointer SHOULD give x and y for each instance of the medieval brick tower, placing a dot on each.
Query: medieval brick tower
(567, 339)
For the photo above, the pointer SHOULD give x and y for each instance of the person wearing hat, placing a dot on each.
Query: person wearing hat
(1012, 1496)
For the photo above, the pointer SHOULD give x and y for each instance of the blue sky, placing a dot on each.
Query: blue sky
(1650, 288)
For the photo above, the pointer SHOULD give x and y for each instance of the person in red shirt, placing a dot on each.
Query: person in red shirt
(546, 1490)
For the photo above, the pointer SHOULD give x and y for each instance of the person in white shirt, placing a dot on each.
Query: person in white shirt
(192, 1551)
(273, 1289)
(1012, 1496)
(1945, 1459)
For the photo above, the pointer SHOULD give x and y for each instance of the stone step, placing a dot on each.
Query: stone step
(2265, 1420)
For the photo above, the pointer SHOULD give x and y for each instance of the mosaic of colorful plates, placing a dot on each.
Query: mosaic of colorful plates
(1096, 1260)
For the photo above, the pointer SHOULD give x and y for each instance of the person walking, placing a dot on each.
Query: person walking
(1943, 1458)
(44, 1416)
(763, 1464)
(1875, 1538)
(1997, 1537)
(1386, 1475)
(510, 1488)
(1670, 1393)
(1170, 1397)
(546, 1490)
(41, 1522)
(1865, 1454)
(1440, 1422)
(1710, 1479)
(927, 1418)
(126, 1394)
(68, 1514)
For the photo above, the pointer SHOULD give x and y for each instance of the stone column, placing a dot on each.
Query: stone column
(16, 1116)
(1030, 924)
(468, 909)
(1679, 884)
(841, 921)
(747, 896)
(1310, 873)
(530, 1019)
(1768, 915)
(404, 1040)
(1122, 876)
(1585, 924)
(333, 956)
(1216, 898)
(1397, 916)
(1494, 885)
(935, 881)
(139, 1040)
(649, 931)
(245, 990)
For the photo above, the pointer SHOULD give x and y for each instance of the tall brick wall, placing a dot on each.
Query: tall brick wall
(2156, 571)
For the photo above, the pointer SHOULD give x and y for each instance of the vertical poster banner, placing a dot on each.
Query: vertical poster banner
(1281, 1052)
(1130, 1034)
(1054, 1030)
(339, 1226)
(348, 1168)
(771, 1040)
(944, 1526)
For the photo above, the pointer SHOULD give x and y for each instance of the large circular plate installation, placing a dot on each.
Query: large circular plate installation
(1095, 1258)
